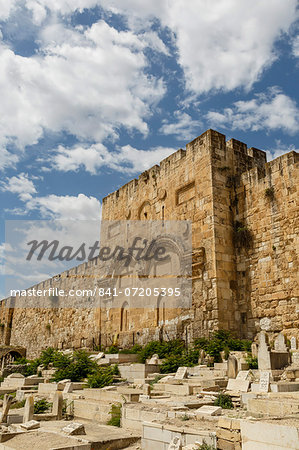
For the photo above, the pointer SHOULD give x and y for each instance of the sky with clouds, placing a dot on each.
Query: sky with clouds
(95, 91)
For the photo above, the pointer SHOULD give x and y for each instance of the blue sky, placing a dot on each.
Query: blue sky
(95, 91)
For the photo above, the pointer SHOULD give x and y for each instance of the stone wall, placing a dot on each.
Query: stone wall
(244, 236)
(267, 204)
(39, 328)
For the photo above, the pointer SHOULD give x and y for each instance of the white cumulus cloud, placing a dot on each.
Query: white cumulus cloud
(222, 44)
(20, 185)
(272, 110)
(184, 127)
(127, 159)
(53, 206)
(89, 83)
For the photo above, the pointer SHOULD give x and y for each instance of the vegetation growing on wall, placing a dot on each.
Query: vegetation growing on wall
(269, 193)
(242, 236)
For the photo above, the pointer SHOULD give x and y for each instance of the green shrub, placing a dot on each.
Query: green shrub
(173, 362)
(224, 401)
(103, 376)
(205, 446)
(41, 406)
(222, 340)
(21, 360)
(112, 349)
(226, 352)
(62, 361)
(47, 356)
(252, 362)
(185, 417)
(31, 368)
(135, 349)
(75, 367)
(155, 380)
(214, 348)
(201, 343)
(163, 349)
(115, 415)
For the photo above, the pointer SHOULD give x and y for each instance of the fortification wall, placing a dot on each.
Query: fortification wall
(193, 185)
(267, 204)
(59, 327)
(245, 250)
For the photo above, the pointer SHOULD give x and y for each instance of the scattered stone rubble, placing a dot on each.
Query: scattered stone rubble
(171, 411)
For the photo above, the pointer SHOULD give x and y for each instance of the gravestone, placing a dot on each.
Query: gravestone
(7, 400)
(264, 381)
(209, 410)
(238, 385)
(57, 405)
(154, 359)
(264, 358)
(254, 349)
(147, 389)
(29, 409)
(74, 429)
(61, 384)
(202, 355)
(295, 358)
(31, 425)
(293, 343)
(15, 375)
(232, 367)
(175, 444)
(243, 375)
(181, 373)
(68, 388)
(279, 343)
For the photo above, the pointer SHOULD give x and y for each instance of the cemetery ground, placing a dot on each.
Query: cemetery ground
(222, 393)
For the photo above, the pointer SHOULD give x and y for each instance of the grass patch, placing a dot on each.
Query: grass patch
(115, 413)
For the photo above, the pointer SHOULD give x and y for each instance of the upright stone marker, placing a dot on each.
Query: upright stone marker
(264, 359)
(29, 409)
(232, 367)
(201, 357)
(264, 381)
(243, 375)
(279, 343)
(154, 359)
(5, 408)
(68, 388)
(175, 444)
(293, 343)
(57, 405)
(147, 389)
(295, 358)
(181, 373)
(254, 349)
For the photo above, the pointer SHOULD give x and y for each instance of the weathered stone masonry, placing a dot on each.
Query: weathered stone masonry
(244, 215)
